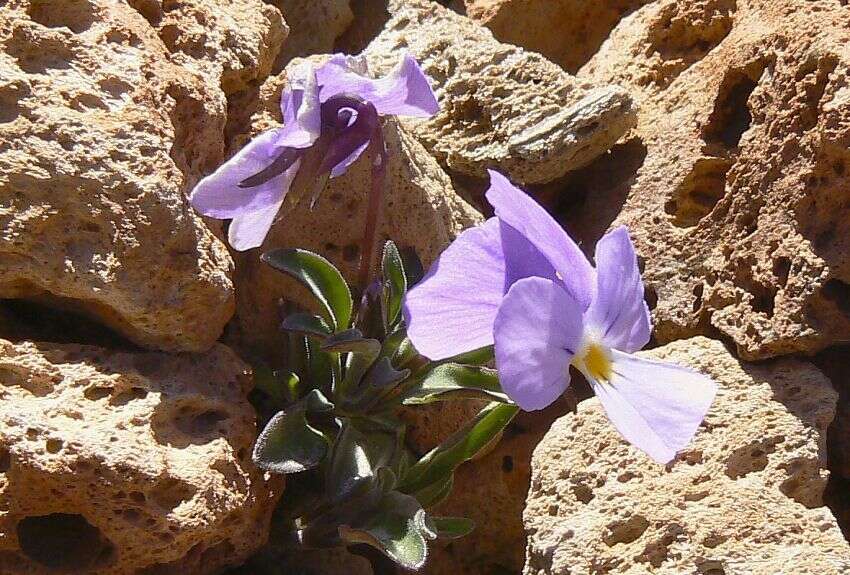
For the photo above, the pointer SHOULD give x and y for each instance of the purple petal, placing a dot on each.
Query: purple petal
(618, 310)
(248, 230)
(403, 92)
(343, 165)
(537, 330)
(656, 406)
(219, 195)
(299, 104)
(518, 210)
(452, 309)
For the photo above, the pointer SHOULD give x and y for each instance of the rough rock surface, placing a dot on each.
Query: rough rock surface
(314, 24)
(420, 210)
(741, 207)
(101, 137)
(501, 107)
(744, 497)
(232, 42)
(568, 32)
(116, 463)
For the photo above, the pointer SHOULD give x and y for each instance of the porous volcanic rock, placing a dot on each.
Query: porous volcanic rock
(500, 106)
(568, 32)
(117, 463)
(741, 207)
(421, 210)
(744, 497)
(102, 135)
(314, 24)
(232, 42)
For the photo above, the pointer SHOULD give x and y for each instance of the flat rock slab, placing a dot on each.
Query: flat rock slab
(115, 463)
(501, 107)
(744, 497)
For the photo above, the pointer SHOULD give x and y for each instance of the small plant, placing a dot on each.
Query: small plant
(337, 433)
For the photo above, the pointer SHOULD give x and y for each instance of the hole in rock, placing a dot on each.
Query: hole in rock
(834, 362)
(37, 54)
(731, 116)
(55, 320)
(5, 460)
(748, 459)
(837, 292)
(507, 463)
(54, 445)
(171, 492)
(626, 531)
(151, 10)
(699, 192)
(812, 80)
(128, 395)
(76, 15)
(64, 542)
(97, 392)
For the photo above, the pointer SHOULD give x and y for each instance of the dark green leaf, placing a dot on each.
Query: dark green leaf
(321, 278)
(306, 324)
(269, 383)
(398, 527)
(395, 283)
(452, 527)
(451, 381)
(289, 444)
(351, 340)
(461, 446)
(323, 368)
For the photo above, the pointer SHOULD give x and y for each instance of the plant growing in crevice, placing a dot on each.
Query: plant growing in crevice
(337, 433)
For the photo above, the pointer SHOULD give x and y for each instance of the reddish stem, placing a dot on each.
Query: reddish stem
(378, 156)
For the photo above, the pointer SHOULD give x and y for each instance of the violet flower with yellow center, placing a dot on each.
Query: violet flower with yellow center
(331, 115)
(520, 282)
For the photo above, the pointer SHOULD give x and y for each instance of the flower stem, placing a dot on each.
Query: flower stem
(378, 155)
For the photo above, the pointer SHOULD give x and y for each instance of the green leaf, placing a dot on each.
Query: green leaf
(480, 356)
(351, 340)
(349, 463)
(452, 527)
(398, 527)
(319, 276)
(306, 324)
(395, 283)
(436, 492)
(269, 383)
(452, 381)
(288, 444)
(461, 446)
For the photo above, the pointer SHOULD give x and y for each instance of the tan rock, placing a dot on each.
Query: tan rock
(568, 32)
(501, 107)
(739, 208)
(315, 26)
(421, 210)
(233, 43)
(744, 497)
(117, 463)
(102, 136)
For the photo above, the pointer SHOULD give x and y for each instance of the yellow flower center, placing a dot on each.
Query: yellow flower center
(595, 361)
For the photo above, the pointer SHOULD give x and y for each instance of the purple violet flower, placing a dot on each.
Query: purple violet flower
(519, 281)
(330, 117)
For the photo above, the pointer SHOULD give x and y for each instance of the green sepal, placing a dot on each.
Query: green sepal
(320, 276)
(453, 381)
(289, 444)
(461, 446)
(452, 527)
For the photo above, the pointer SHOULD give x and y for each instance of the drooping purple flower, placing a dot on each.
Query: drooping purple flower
(330, 117)
(519, 282)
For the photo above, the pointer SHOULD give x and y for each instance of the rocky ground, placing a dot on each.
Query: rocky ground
(717, 130)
